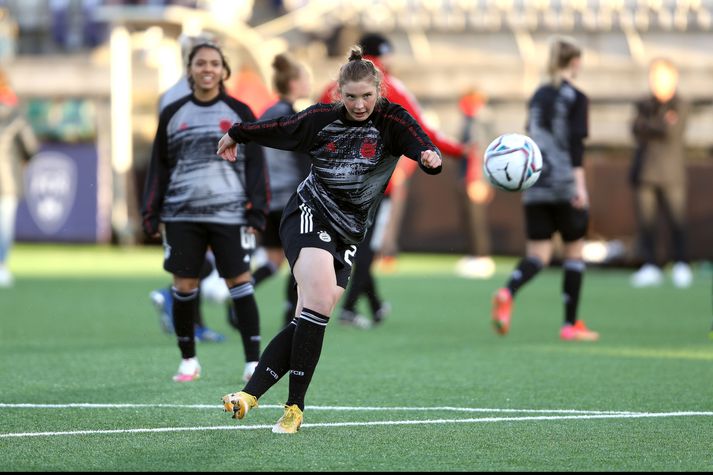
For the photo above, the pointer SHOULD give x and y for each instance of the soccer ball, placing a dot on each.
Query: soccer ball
(512, 162)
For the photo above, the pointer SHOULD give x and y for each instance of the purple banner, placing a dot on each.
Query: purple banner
(61, 200)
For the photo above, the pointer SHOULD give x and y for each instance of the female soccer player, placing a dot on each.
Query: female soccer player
(203, 201)
(558, 201)
(354, 146)
(287, 169)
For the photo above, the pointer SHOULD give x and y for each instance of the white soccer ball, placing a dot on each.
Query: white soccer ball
(512, 162)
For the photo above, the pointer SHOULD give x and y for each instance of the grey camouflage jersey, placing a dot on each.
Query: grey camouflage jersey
(557, 122)
(187, 181)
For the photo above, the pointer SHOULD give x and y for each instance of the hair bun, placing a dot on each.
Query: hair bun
(356, 54)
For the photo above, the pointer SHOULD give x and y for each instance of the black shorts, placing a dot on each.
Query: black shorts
(300, 229)
(185, 244)
(271, 237)
(542, 220)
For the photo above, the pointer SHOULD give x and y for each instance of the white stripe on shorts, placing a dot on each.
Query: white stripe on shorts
(306, 225)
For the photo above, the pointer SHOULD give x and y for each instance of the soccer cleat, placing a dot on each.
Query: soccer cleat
(354, 319)
(162, 300)
(682, 275)
(205, 334)
(578, 332)
(189, 370)
(239, 403)
(471, 267)
(6, 279)
(502, 310)
(290, 421)
(249, 370)
(383, 312)
(648, 276)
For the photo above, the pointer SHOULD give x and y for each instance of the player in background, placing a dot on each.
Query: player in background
(354, 146)
(211, 285)
(380, 51)
(474, 192)
(287, 169)
(18, 143)
(197, 201)
(558, 201)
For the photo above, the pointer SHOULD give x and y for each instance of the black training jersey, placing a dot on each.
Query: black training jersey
(558, 123)
(287, 169)
(187, 181)
(351, 161)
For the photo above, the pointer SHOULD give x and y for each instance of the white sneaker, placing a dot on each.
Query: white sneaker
(681, 275)
(649, 275)
(354, 319)
(188, 370)
(6, 279)
(249, 370)
(475, 267)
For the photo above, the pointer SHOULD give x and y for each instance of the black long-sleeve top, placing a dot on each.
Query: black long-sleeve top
(352, 161)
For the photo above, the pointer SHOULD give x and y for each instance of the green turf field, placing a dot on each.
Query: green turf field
(85, 380)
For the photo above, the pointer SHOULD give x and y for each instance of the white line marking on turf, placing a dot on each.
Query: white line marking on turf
(358, 424)
(312, 408)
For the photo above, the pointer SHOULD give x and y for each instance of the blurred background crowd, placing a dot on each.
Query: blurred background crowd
(87, 74)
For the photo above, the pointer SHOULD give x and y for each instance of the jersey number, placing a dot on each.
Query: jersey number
(349, 253)
(247, 240)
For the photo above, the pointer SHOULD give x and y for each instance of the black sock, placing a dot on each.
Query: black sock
(205, 271)
(306, 349)
(263, 272)
(372, 295)
(246, 319)
(274, 362)
(291, 302)
(526, 269)
(198, 315)
(185, 306)
(571, 287)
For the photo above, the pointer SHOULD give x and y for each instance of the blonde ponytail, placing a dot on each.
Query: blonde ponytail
(563, 50)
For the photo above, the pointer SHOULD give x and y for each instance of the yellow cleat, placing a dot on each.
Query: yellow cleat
(290, 421)
(239, 403)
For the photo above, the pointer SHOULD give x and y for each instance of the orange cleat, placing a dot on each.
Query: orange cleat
(502, 309)
(578, 332)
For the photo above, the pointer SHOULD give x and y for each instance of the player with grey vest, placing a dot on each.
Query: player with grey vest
(558, 201)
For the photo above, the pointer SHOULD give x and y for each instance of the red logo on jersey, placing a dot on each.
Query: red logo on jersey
(183, 126)
(331, 147)
(368, 149)
(225, 125)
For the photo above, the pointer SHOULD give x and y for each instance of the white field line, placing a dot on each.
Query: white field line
(82, 405)
(573, 415)
(310, 408)
(362, 424)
